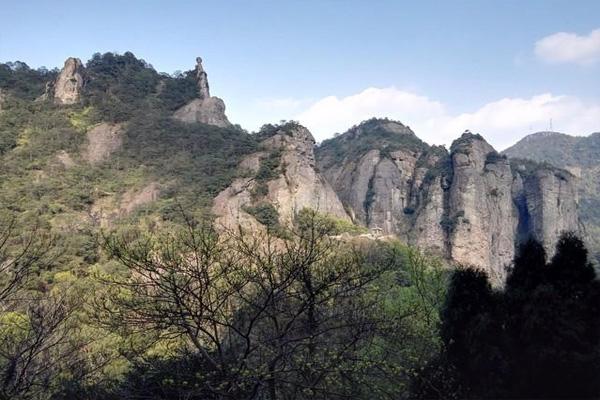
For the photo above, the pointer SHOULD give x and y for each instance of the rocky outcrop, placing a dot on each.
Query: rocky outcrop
(102, 140)
(470, 205)
(391, 187)
(580, 155)
(283, 175)
(205, 109)
(549, 205)
(481, 219)
(68, 85)
(202, 79)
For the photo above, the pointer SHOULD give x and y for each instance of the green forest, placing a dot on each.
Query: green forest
(158, 304)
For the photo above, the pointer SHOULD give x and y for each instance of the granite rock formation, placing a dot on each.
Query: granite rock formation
(205, 109)
(579, 155)
(282, 175)
(469, 205)
(68, 85)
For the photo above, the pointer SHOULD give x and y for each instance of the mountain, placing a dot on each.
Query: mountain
(470, 205)
(113, 143)
(578, 154)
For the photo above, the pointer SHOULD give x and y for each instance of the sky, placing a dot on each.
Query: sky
(501, 68)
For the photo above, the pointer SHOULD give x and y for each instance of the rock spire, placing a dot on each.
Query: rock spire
(69, 83)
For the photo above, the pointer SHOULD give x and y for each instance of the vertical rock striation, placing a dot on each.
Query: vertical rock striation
(469, 205)
(481, 219)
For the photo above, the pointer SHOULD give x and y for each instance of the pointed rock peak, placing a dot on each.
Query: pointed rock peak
(205, 109)
(202, 79)
(69, 83)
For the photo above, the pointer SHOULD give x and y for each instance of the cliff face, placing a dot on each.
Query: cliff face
(283, 176)
(579, 155)
(551, 205)
(205, 109)
(470, 205)
(69, 83)
(481, 216)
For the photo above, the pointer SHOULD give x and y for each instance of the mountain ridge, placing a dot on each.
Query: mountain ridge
(174, 146)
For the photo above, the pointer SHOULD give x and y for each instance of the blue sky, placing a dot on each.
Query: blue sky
(438, 66)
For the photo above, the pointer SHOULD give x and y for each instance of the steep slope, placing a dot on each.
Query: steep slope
(385, 176)
(581, 156)
(480, 207)
(112, 155)
(469, 205)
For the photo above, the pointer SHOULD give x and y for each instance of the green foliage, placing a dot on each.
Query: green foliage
(18, 79)
(264, 213)
(269, 167)
(369, 135)
(269, 130)
(289, 297)
(332, 225)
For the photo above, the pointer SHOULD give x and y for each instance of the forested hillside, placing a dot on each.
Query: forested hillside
(149, 249)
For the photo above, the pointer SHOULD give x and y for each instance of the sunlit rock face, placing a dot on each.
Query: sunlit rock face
(469, 205)
(70, 82)
(293, 186)
(205, 109)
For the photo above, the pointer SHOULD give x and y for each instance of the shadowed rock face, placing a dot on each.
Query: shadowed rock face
(69, 83)
(205, 109)
(470, 205)
(551, 208)
(580, 155)
(294, 186)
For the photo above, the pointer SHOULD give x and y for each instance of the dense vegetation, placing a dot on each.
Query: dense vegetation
(99, 301)
(385, 135)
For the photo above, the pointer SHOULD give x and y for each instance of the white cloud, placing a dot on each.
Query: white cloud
(566, 47)
(501, 122)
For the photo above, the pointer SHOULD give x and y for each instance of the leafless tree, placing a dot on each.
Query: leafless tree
(273, 318)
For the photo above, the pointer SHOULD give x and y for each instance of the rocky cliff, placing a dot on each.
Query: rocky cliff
(469, 205)
(281, 181)
(205, 109)
(68, 85)
(579, 155)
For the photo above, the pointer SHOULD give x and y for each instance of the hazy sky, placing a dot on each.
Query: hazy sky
(500, 68)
